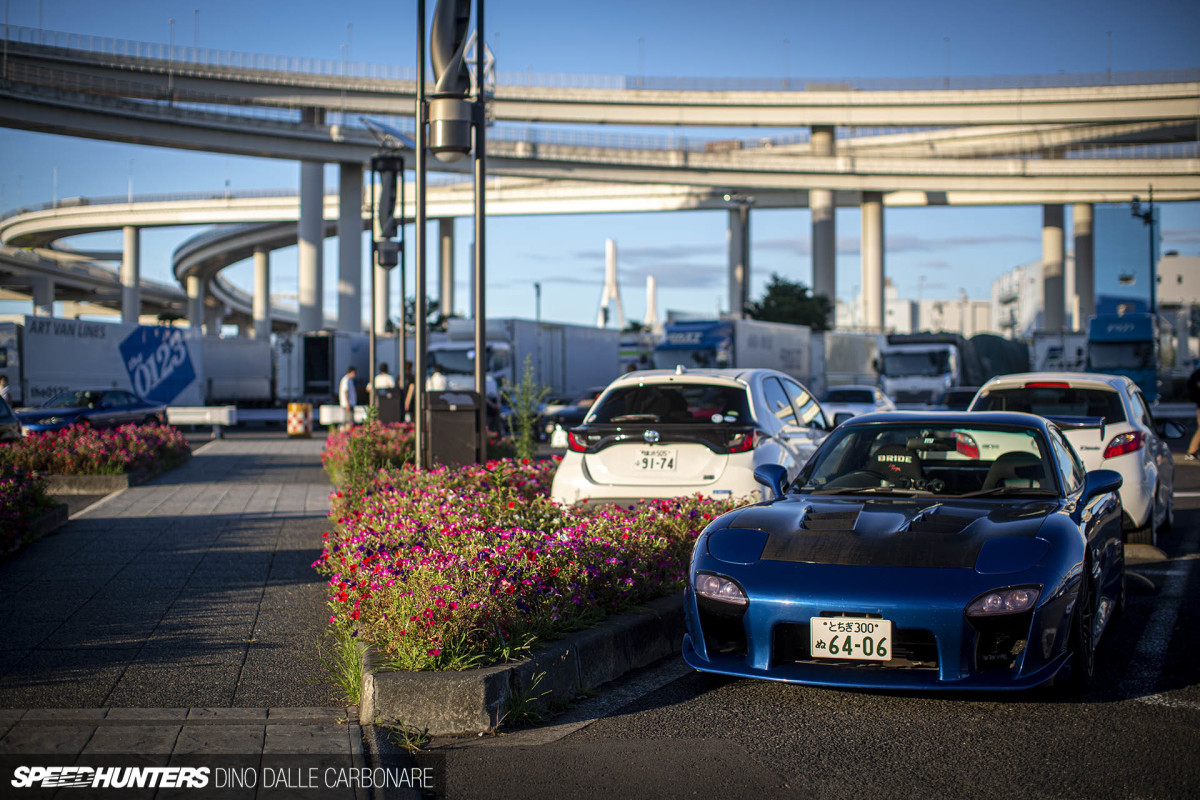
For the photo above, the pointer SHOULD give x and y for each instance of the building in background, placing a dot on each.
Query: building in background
(959, 315)
(1017, 308)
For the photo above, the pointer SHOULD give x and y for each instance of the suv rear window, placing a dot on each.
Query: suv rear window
(1052, 401)
(685, 403)
(849, 396)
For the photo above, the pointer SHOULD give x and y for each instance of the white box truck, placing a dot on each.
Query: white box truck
(737, 343)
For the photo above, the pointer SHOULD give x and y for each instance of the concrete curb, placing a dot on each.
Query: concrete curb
(476, 701)
(102, 484)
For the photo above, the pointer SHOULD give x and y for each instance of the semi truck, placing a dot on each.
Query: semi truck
(736, 343)
(42, 356)
(918, 367)
(841, 358)
(567, 359)
(1125, 344)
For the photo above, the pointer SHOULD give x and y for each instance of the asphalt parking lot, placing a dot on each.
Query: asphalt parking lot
(1134, 733)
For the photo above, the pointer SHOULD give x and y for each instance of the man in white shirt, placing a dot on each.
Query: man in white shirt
(348, 397)
(383, 381)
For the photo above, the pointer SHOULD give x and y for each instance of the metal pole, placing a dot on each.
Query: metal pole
(403, 333)
(374, 315)
(419, 310)
(171, 62)
(1153, 266)
(480, 310)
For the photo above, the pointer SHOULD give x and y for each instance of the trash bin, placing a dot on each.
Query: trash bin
(299, 420)
(391, 405)
(452, 425)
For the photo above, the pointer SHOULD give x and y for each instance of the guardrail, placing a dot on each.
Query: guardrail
(219, 417)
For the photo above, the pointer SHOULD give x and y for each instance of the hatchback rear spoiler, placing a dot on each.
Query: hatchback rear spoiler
(1077, 423)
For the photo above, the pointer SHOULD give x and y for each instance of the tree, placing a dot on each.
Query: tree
(788, 301)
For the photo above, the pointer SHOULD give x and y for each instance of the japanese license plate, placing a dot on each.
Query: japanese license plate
(655, 460)
(850, 637)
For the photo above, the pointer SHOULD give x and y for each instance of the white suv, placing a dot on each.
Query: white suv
(1108, 423)
(658, 433)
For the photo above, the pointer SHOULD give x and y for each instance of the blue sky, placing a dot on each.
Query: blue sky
(950, 248)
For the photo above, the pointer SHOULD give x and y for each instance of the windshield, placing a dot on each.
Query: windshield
(929, 363)
(690, 403)
(849, 396)
(1055, 401)
(80, 399)
(924, 459)
(1121, 355)
(690, 359)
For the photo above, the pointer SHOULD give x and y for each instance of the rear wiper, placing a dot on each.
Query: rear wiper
(995, 490)
(636, 418)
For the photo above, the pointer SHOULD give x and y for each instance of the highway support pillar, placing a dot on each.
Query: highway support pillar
(1053, 280)
(195, 293)
(262, 293)
(1085, 265)
(310, 241)
(350, 228)
(872, 247)
(824, 224)
(43, 295)
(446, 264)
(382, 289)
(214, 318)
(131, 277)
(739, 260)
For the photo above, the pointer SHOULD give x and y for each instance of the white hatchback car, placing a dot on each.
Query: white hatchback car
(1108, 423)
(658, 433)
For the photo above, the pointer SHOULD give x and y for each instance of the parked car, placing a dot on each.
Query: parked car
(10, 426)
(843, 402)
(956, 398)
(100, 408)
(878, 567)
(1109, 424)
(659, 433)
(556, 422)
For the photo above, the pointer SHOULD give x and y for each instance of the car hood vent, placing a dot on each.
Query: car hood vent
(936, 522)
(828, 520)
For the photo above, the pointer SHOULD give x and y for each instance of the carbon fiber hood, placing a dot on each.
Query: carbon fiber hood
(889, 532)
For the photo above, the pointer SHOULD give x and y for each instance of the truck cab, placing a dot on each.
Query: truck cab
(917, 373)
(1125, 344)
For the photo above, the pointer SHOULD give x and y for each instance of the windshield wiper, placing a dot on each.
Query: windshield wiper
(869, 490)
(636, 418)
(997, 490)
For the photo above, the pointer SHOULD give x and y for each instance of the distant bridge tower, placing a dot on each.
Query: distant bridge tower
(611, 290)
(651, 322)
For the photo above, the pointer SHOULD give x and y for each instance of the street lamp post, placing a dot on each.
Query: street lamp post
(1147, 218)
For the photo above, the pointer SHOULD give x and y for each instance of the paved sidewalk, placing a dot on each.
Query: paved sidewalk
(194, 590)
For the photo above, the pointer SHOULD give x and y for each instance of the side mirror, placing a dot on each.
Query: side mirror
(773, 476)
(1100, 481)
(1169, 429)
(841, 417)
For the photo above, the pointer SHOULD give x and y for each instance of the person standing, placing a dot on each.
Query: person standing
(383, 380)
(348, 397)
(1193, 390)
(4, 387)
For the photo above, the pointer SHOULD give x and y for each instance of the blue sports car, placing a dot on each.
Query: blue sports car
(900, 558)
(100, 408)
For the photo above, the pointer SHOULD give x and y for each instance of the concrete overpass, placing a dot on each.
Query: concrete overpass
(996, 140)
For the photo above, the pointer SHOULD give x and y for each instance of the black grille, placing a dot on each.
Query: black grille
(940, 523)
(1000, 641)
(912, 648)
(722, 627)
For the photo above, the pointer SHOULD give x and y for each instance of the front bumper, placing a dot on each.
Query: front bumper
(936, 647)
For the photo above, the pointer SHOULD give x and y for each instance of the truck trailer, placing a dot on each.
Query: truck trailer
(737, 343)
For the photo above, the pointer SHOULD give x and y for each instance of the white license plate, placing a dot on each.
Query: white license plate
(655, 460)
(850, 637)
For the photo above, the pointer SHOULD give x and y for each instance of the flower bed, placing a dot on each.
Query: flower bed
(22, 500)
(364, 449)
(449, 569)
(83, 450)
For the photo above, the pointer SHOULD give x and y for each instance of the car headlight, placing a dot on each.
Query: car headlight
(53, 420)
(1004, 601)
(714, 587)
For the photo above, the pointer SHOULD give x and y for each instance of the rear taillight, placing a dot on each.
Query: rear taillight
(1123, 443)
(576, 443)
(742, 442)
(965, 445)
(1047, 385)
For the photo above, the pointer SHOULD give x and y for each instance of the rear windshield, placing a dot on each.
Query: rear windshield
(1049, 401)
(850, 396)
(691, 404)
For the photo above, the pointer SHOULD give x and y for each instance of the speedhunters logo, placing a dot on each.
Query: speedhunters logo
(110, 777)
